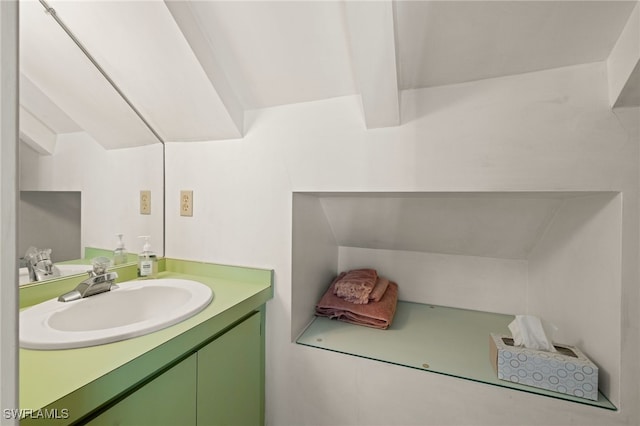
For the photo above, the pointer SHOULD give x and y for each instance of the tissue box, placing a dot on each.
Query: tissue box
(567, 371)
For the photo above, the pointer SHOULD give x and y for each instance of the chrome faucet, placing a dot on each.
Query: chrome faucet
(99, 281)
(39, 264)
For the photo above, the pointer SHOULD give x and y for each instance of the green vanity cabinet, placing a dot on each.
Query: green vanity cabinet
(169, 399)
(230, 377)
(221, 384)
(205, 370)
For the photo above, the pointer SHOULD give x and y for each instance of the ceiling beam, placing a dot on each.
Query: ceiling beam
(44, 108)
(624, 60)
(35, 134)
(191, 30)
(373, 50)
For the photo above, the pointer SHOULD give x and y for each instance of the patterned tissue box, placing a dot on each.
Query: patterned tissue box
(567, 371)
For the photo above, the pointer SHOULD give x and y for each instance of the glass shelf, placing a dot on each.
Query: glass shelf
(438, 339)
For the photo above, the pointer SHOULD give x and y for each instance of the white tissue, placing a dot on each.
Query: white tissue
(527, 331)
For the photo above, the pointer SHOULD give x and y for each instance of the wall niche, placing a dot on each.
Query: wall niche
(556, 255)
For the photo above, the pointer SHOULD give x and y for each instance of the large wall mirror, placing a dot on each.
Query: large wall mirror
(85, 154)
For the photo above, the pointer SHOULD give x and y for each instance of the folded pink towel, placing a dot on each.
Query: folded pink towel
(356, 285)
(378, 291)
(374, 314)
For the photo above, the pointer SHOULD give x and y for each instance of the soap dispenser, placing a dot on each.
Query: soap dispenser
(120, 253)
(147, 261)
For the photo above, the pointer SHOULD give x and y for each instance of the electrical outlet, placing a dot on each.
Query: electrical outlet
(145, 202)
(186, 203)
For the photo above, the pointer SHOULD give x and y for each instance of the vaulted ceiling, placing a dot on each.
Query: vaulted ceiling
(191, 68)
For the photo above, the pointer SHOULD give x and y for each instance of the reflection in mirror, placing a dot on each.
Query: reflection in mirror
(85, 155)
(48, 219)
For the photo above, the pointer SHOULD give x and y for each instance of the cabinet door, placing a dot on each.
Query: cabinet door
(230, 377)
(169, 399)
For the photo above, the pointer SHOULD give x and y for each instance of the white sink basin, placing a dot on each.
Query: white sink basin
(130, 310)
(65, 269)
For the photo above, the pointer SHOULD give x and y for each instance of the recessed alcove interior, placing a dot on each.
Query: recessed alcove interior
(51, 219)
(556, 255)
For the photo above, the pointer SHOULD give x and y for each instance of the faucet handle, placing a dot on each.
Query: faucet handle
(100, 265)
(37, 256)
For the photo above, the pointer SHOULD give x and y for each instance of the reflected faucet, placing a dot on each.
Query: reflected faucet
(99, 281)
(40, 265)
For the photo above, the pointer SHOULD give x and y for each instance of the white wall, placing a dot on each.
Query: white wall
(110, 182)
(8, 209)
(623, 59)
(314, 254)
(551, 130)
(574, 281)
(630, 119)
(468, 282)
(503, 225)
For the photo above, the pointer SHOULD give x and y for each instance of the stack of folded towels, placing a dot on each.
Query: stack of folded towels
(360, 297)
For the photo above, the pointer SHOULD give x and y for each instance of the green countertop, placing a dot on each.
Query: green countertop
(79, 380)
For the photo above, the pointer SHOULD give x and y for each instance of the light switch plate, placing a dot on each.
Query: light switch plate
(186, 203)
(145, 202)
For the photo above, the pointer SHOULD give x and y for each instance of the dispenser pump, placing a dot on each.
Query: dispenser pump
(147, 260)
(147, 245)
(120, 241)
(120, 253)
